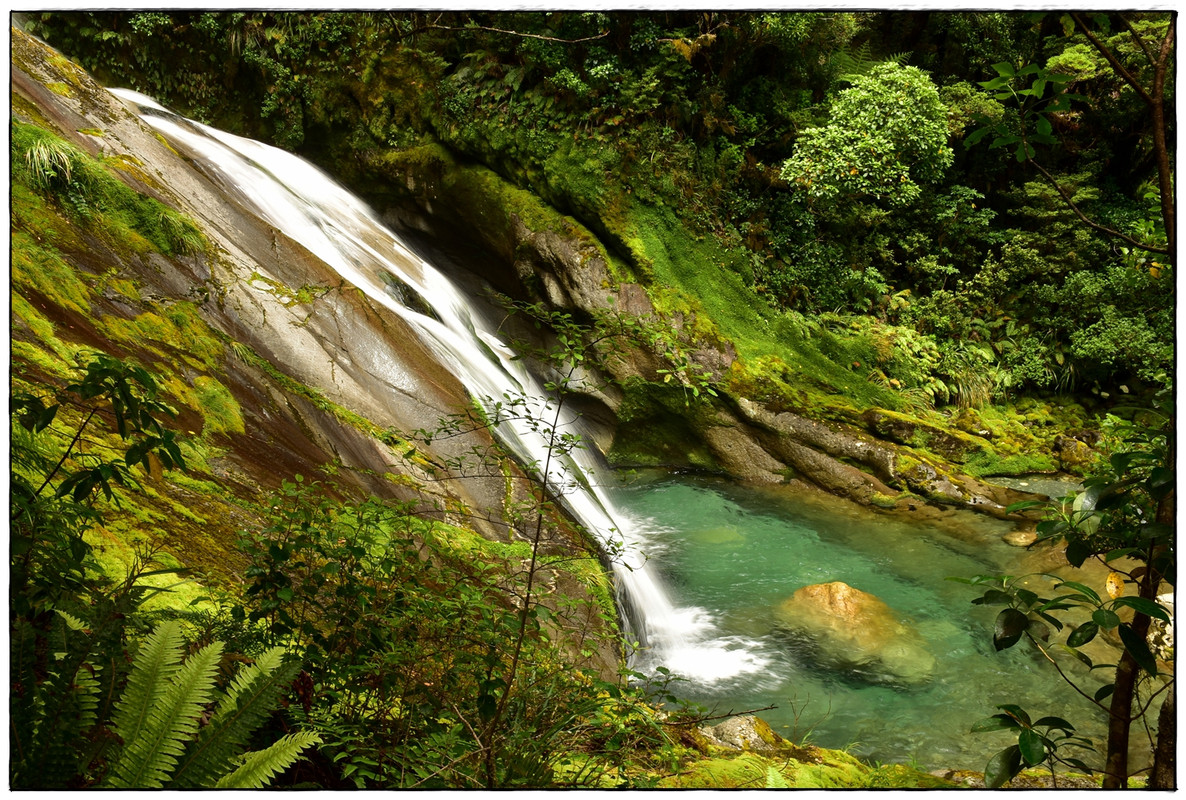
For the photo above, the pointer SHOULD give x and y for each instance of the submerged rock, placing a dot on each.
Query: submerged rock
(855, 631)
(1022, 537)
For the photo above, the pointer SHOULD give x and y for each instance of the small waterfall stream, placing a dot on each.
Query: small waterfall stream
(298, 199)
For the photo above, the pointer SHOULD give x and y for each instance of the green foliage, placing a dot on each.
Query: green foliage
(88, 193)
(158, 715)
(886, 137)
(1038, 742)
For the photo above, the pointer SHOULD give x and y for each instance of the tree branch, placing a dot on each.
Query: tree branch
(1111, 59)
(601, 35)
(1095, 225)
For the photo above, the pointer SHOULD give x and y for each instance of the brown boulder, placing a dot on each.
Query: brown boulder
(855, 631)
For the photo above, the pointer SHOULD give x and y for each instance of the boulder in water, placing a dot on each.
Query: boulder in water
(855, 631)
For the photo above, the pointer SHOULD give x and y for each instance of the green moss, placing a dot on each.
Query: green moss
(57, 87)
(41, 269)
(178, 331)
(219, 408)
(288, 296)
(987, 464)
(97, 199)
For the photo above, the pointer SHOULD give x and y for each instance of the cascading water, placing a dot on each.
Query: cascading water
(341, 230)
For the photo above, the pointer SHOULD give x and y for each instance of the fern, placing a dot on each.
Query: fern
(850, 64)
(165, 726)
(258, 768)
(775, 780)
(158, 717)
(156, 662)
(251, 697)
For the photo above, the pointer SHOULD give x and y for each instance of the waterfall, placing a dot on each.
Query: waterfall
(309, 207)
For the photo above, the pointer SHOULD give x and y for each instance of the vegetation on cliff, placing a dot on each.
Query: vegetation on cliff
(962, 221)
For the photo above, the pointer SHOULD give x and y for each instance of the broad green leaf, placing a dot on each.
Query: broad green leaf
(1077, 654)
(1077, 552)
(1083, 634)
(1017, 712)
(1010, 625)
(1002, 767)
(993, 597)
(1143, 606)
(1105, 619)
(1161, 482)
(1104, 691)
(1081, 588)
(1138, 648)
(1003, 141)
(1004, 69)
(1054, 722)
(1032, 745)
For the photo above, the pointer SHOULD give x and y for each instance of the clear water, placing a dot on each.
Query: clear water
(735, 553)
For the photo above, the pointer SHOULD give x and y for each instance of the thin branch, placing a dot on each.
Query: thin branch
(728, 715)
(1111, 59)
(601, 35)
(1062, 674)
(1140, 42)
(1095, 225)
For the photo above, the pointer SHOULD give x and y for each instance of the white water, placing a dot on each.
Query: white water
(298, 199)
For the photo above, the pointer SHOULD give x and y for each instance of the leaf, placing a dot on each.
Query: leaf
(1104, 691)
(1002, 767)
(1083, 634)
(1010, 625)
(1004, 69)
(1023, 505)
(976, 136)
(993, 597)
(1032, 745)
(997, 722)
(1077, 552)
(1143, 606)
(1081, 656)
(1138, 648)
(775, 780)
(1017, 712)
(1082, 589)
(1054, 722)
(1114, 585)
(147, 760)
(1105, 619)
(1161, 482)
(260, 767)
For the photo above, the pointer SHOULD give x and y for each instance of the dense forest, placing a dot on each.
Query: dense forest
(945, 237)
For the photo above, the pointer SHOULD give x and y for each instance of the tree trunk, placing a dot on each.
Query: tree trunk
(1162, 776)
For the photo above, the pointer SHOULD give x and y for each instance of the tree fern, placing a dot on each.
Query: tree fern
(258, 768)
(165, 725)
(250, 698)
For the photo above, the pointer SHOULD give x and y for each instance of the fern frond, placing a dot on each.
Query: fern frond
(157, 661)
(258, 768)
(250, 698)
(150, 758)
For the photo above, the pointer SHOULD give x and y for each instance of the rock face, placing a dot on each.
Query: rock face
(852, 630)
